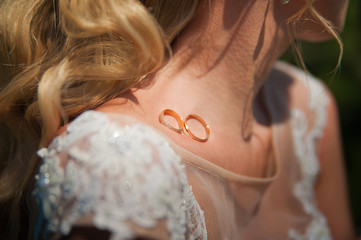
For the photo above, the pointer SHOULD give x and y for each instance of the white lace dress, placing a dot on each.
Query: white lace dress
(119, 175)
(115, 173)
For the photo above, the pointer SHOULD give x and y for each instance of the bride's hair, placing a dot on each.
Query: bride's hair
(62, 57)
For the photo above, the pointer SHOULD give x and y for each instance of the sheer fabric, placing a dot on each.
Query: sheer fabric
(116, 173)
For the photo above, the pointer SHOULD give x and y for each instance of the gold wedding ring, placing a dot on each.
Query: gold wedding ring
(175, 116)
(204, 124)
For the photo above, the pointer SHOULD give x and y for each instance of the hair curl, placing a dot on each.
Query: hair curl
(62, 57)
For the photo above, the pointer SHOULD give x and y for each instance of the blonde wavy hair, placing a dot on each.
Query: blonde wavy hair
(62, 57)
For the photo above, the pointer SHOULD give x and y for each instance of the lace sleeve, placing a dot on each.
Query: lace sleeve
(116, 177)
(305, 139)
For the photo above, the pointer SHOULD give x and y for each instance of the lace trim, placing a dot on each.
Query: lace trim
(116, 175)
(304, 144)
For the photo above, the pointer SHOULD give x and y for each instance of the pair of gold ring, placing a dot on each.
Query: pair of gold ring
(182, 125)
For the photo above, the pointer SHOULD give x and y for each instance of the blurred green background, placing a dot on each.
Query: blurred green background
(321, 59)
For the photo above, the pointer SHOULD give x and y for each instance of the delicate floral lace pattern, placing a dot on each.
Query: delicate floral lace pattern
(116, 175)
(304, 144)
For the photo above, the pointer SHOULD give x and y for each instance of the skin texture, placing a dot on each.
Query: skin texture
(330, 190)
(222, 59)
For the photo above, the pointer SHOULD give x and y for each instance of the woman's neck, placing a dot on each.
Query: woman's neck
(219, 64)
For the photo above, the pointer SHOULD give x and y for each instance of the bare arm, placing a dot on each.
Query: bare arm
(331, 190)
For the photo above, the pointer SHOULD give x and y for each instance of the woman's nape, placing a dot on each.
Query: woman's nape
(219, 64)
